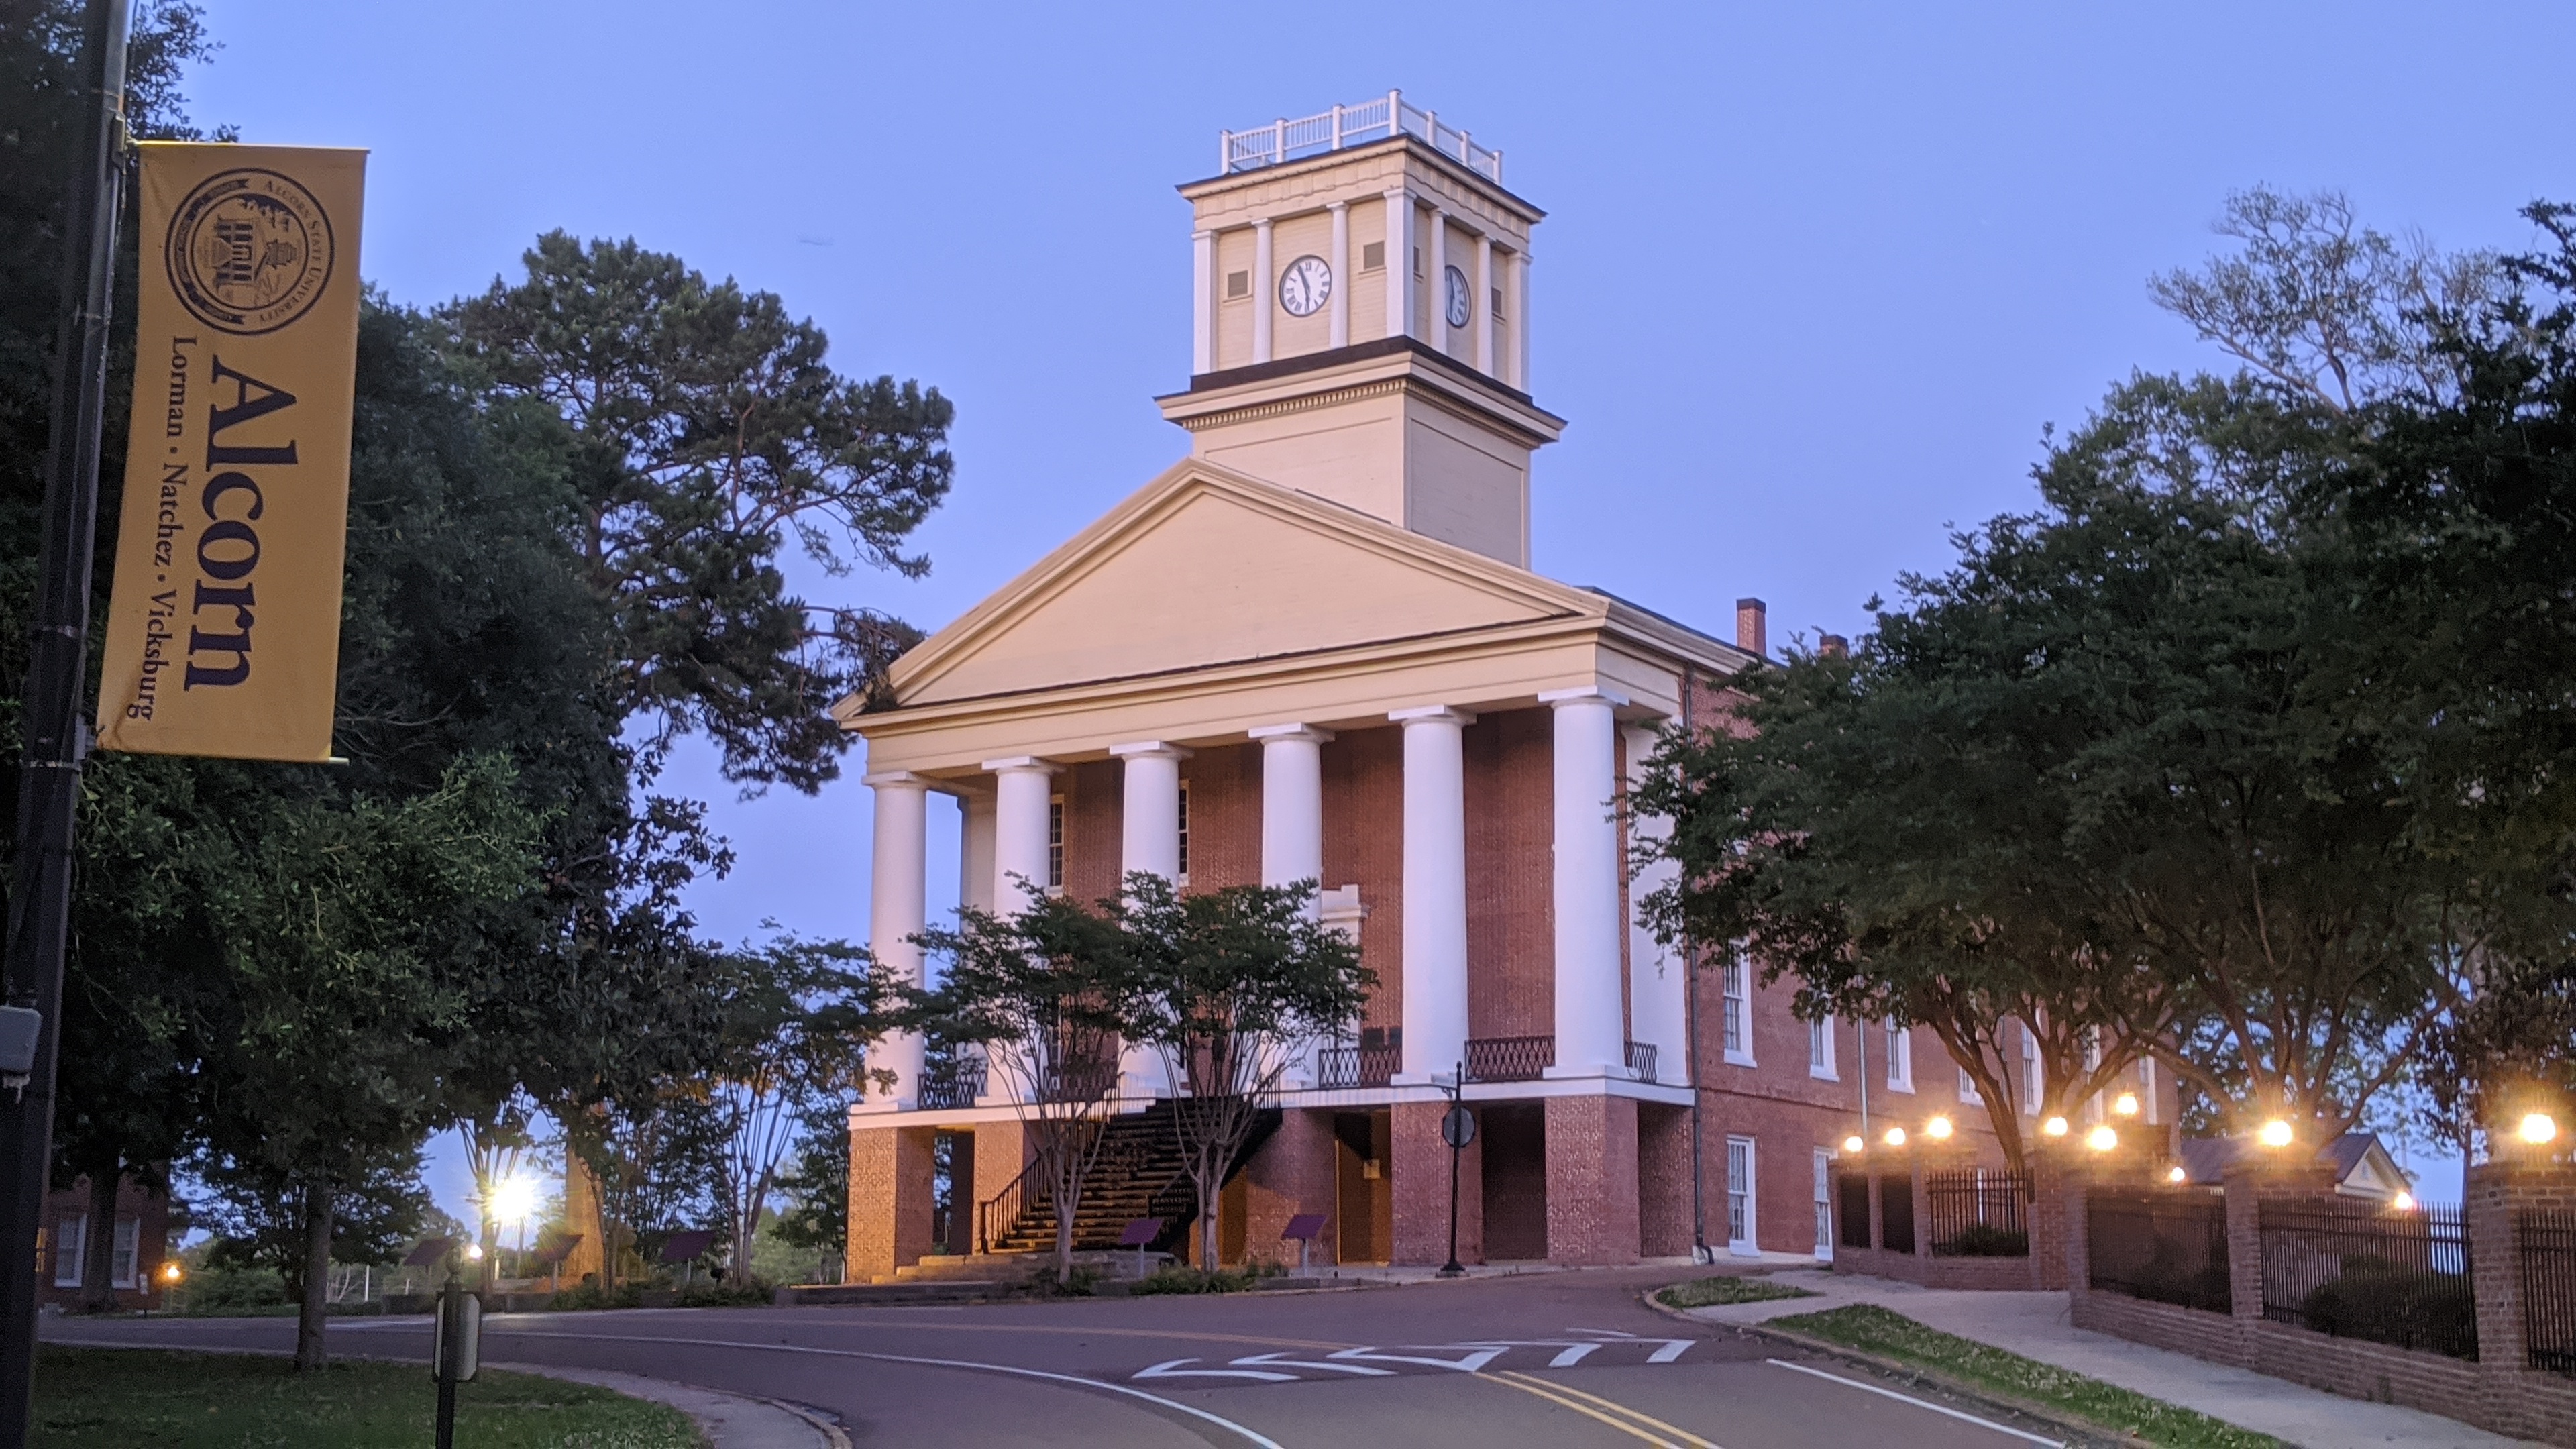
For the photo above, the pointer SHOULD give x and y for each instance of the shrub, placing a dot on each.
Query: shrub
(588, 1295)
(727, 1293)
(1177, 1278)
(1077, 1284)
(1727, 1288)
(1984, 1240)
(2382, 1302)
(214, 1290)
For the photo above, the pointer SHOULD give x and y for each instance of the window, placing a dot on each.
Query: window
(1735, 981)
(1496, 310)
(2093, 1063)
(68, 1236)
(2147, 1087)
(1055, 843)
(1238, 284)
(129, 1235)
(1820, 1050)
(1372, 256)
(1739, 1196)
(1968, 1092)
(1900, 1059)
(2031, 1076)
(1417, 261)
(1185, 832)
(1824, 1204)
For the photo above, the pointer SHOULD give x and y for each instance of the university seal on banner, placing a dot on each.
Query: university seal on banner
(249, 251)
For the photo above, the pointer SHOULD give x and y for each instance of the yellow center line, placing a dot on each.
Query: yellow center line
(1509, 1381)
(1649, 1420)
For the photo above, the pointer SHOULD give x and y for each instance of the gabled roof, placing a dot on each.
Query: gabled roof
(2361, 1162)
(1206, 567)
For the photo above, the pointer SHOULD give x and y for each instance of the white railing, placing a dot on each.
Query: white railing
(1371, 120)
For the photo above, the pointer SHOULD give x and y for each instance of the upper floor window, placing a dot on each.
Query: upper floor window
(1820, 1049)
(1900, 1058)
(1968, 1092)
(1373, 256)
(1055, 843)
(1185, 832)
(1735, 979)
(2032, 1074)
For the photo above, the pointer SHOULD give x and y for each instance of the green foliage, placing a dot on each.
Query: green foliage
(1180, 1278)
(1727, 1288)
(218, 1288)
(1984, 1240)
(1046, 1280)
(2390, 1303)
(114, 1398)
(1875, 1330)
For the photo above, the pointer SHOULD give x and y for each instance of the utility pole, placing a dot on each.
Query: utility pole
(40, 895)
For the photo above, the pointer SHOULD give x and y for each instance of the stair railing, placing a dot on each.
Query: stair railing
(997, 1215)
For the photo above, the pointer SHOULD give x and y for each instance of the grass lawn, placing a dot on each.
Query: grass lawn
(1727, 1288)
(1875, 1330)
(117, 1398)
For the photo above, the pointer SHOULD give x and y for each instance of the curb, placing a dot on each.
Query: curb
(2078, 1432)
(677, 1395)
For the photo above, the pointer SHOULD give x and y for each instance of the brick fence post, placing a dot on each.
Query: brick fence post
(1877, 1209)
(2496, 1191)
(1915, 1172)
(2050, 1189)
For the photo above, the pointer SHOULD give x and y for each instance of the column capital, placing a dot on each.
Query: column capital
(1337, 206)
(1305, 732)
(1202, 234)
(1148, 749)
(1431, 714)
(1585, 694)
(1009, 764)
(896, 778)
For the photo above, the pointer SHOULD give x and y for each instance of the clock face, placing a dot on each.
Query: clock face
(1461, 302)
(1305, 286)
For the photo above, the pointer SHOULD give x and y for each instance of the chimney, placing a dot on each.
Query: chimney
(1833, 646)
(1752, 627)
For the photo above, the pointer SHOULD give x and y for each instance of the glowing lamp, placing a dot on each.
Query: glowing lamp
(514, 1200)
(1854, 1144)
(2176, 1174)
(474, 1252)
(2126, 1104)
(2054, 1127)
(171, 1272)
(1938, 1129)
(2537, 1128)
(1895, 1137)
(2101, 1139)
(2275, 1133)
(2404, 1202)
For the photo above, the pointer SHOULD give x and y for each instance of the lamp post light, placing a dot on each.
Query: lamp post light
(1895, 1137)
(2102, 1139)
(1855, 1144)
(2536, 1129)
(1938, 1129)
(2276, 1133)
(1457, 1128)
(2126, 1104)
(2053, 1127)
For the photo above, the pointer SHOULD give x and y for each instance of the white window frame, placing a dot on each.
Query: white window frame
(71, 1236)
(1735, 995)
(1820, 1050)
(1969, 1096)
(2095, 1109)
(1185, 834)
(1824, 1205)
(2147, 1093)
(1900, 1059)
(2034, 1074)
(128, 1258)
(1055, 845)
(1743, 1227)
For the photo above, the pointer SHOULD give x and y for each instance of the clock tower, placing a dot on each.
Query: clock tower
(1360, 322)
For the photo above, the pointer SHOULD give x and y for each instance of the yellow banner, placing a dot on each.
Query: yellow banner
(224, 635)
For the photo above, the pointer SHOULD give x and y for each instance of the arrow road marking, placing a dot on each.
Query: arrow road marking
(1171, 1369)
(1283, 1361)
(1572, 1356)
(1673, 1348)
(1467, 1365)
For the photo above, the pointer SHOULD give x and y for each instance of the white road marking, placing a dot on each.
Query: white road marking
(1673, 1348)
(1920, 1403)
(1284, 1361)
(1603, 1332)
(1467, 1365)
(1572, 1356)
(1171, 1369)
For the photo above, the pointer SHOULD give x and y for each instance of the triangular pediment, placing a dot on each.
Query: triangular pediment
(1205, 567)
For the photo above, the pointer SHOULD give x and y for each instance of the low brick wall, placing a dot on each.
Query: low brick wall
(1982, 1274)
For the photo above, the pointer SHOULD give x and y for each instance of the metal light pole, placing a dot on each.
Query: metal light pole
(1457, 1128)
(31, 971)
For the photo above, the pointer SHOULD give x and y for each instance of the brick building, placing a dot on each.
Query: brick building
(1314, 649)
(135, 1242)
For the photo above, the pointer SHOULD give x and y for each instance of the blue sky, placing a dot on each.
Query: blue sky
(1813, 278)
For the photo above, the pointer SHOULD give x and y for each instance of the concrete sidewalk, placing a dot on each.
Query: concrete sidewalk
(2035, 1326)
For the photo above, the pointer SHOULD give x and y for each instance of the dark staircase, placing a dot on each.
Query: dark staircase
(1137, 1173)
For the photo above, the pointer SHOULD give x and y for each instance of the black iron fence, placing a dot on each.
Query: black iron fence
(2166, 1247)
(1356, 1066)
(2547, 1243)
(2361, 1270)
(1896, 1211)
(1641, 1060)
(1978, 1212)
(951, 1085)
(1509, 1058)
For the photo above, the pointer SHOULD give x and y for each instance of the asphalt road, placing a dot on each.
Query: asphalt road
(1553, 1359)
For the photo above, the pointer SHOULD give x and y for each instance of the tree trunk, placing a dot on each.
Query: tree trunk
(98, 1253)
(309, 1350)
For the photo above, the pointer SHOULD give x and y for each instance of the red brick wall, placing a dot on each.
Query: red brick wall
(1225, 816)
(151, 1212)
(1514, 1138)
(1364, 846)
(1292, 1173)
(1663, 1180)
(890, 1199)
(1094, 807)
(1591, 1178)
(1511, 832)
(1420, 1180)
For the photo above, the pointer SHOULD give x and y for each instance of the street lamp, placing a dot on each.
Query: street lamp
(2538, 1129)
(2276, 1133)
(1895, 1137)
(1457, 1128)
(1938, 1129)
(2126, 1104)
(2176, 1174)
(2054, 1127)
(1853, 1143)
(2404, 1202)
(2102, 1138)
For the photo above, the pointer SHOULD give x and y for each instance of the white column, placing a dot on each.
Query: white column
(1202, 302)
(1435, 891)
(1658, 977)
(1520, 322)
(898, 908)
(1485, 305)
(1399, 263)
(975, 851)
(1341, 299)
(1023, 785)
(1149, 841)
(1262, 300)
(1435, 275)
(1292, 803)
(1591, 1033)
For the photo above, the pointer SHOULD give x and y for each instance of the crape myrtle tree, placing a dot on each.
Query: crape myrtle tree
(1046, 996)
(1229, 987)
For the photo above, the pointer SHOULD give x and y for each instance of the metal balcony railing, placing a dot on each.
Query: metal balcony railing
(1356, 1066)
(1641, 1060)
(1370, 120)
(1509, 1058)
(953, 1085)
